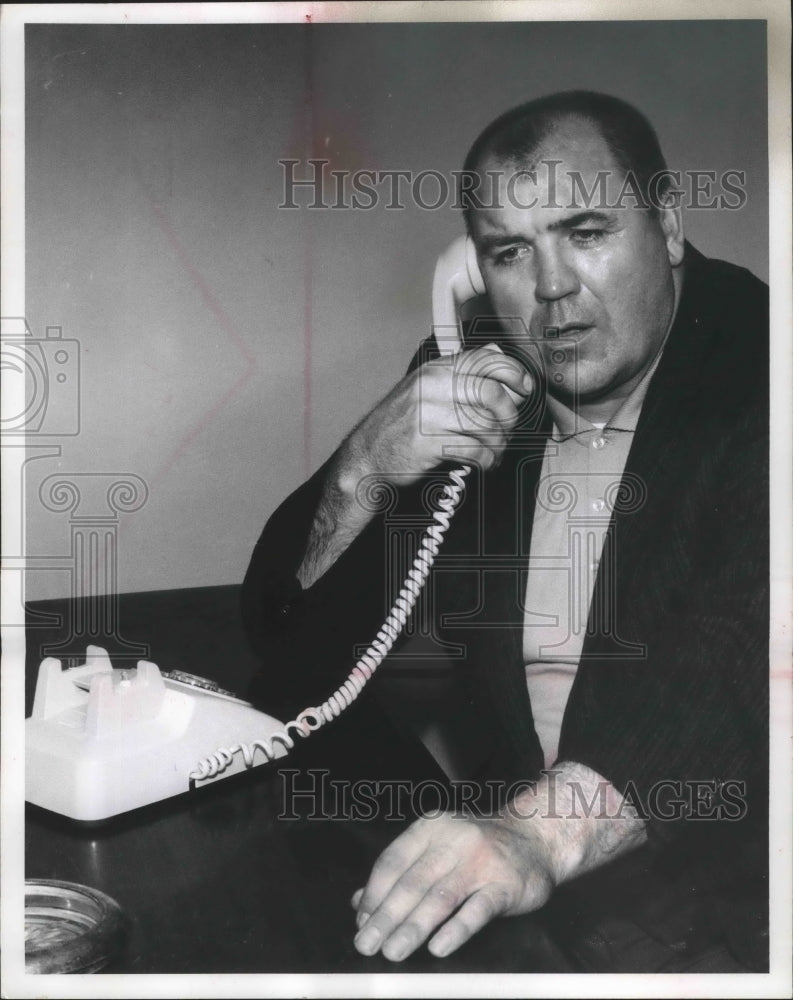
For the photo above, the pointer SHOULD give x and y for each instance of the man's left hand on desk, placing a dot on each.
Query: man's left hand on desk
(458, 874)
(440, 864)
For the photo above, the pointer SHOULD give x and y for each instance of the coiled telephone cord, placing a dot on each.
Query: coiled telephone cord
(311, 719)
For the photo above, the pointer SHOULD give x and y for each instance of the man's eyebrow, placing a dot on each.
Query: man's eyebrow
(494, 241)
(582, 219)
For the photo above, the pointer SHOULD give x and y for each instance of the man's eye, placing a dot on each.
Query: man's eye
(512, 255)
(587, 237)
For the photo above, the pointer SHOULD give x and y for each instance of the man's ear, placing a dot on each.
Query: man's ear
(671, 219)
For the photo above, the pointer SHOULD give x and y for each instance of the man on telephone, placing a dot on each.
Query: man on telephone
(606, 573)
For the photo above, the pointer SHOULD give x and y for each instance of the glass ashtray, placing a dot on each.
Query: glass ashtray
(70, 927)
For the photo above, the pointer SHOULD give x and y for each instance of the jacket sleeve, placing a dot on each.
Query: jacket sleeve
(309, 640)
(683, 729)
(697, 707)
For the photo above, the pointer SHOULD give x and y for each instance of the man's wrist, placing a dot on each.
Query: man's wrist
(579, 817)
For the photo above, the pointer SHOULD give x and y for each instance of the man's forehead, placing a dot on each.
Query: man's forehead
(575, 141)
(571, 165)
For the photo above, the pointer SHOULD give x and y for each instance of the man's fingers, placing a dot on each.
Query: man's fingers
(392, 864)
(402, 900)
(472, 454)
(491, 363)
(487, 401)
(485, 365)
(440, 900)
(478, 910)
(362, 916)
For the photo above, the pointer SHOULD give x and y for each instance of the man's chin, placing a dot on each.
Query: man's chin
(582, 395)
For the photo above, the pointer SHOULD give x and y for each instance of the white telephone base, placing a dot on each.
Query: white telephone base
(101, 741)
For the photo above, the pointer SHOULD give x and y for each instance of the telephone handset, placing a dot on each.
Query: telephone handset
(102, 741)
(457, 279)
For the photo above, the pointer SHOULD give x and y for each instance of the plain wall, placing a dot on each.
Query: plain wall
(227, 344)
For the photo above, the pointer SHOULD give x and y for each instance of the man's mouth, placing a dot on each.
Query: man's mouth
(569, 331)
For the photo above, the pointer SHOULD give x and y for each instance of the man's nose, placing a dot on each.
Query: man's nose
(555, 278)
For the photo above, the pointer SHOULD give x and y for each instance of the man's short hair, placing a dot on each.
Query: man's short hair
(516, 135)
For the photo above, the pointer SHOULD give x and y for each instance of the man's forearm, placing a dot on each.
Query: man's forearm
(339, 519)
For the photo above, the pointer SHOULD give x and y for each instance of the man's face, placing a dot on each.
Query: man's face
(601, 276)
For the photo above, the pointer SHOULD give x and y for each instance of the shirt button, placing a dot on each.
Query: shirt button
(598, 505)
(598, 443)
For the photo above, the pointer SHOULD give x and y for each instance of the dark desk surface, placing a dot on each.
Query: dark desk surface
(215, 881)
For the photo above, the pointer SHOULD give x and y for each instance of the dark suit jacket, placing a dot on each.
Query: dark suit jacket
(673, 682)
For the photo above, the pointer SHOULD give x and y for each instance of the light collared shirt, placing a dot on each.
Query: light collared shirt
(582, 469)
